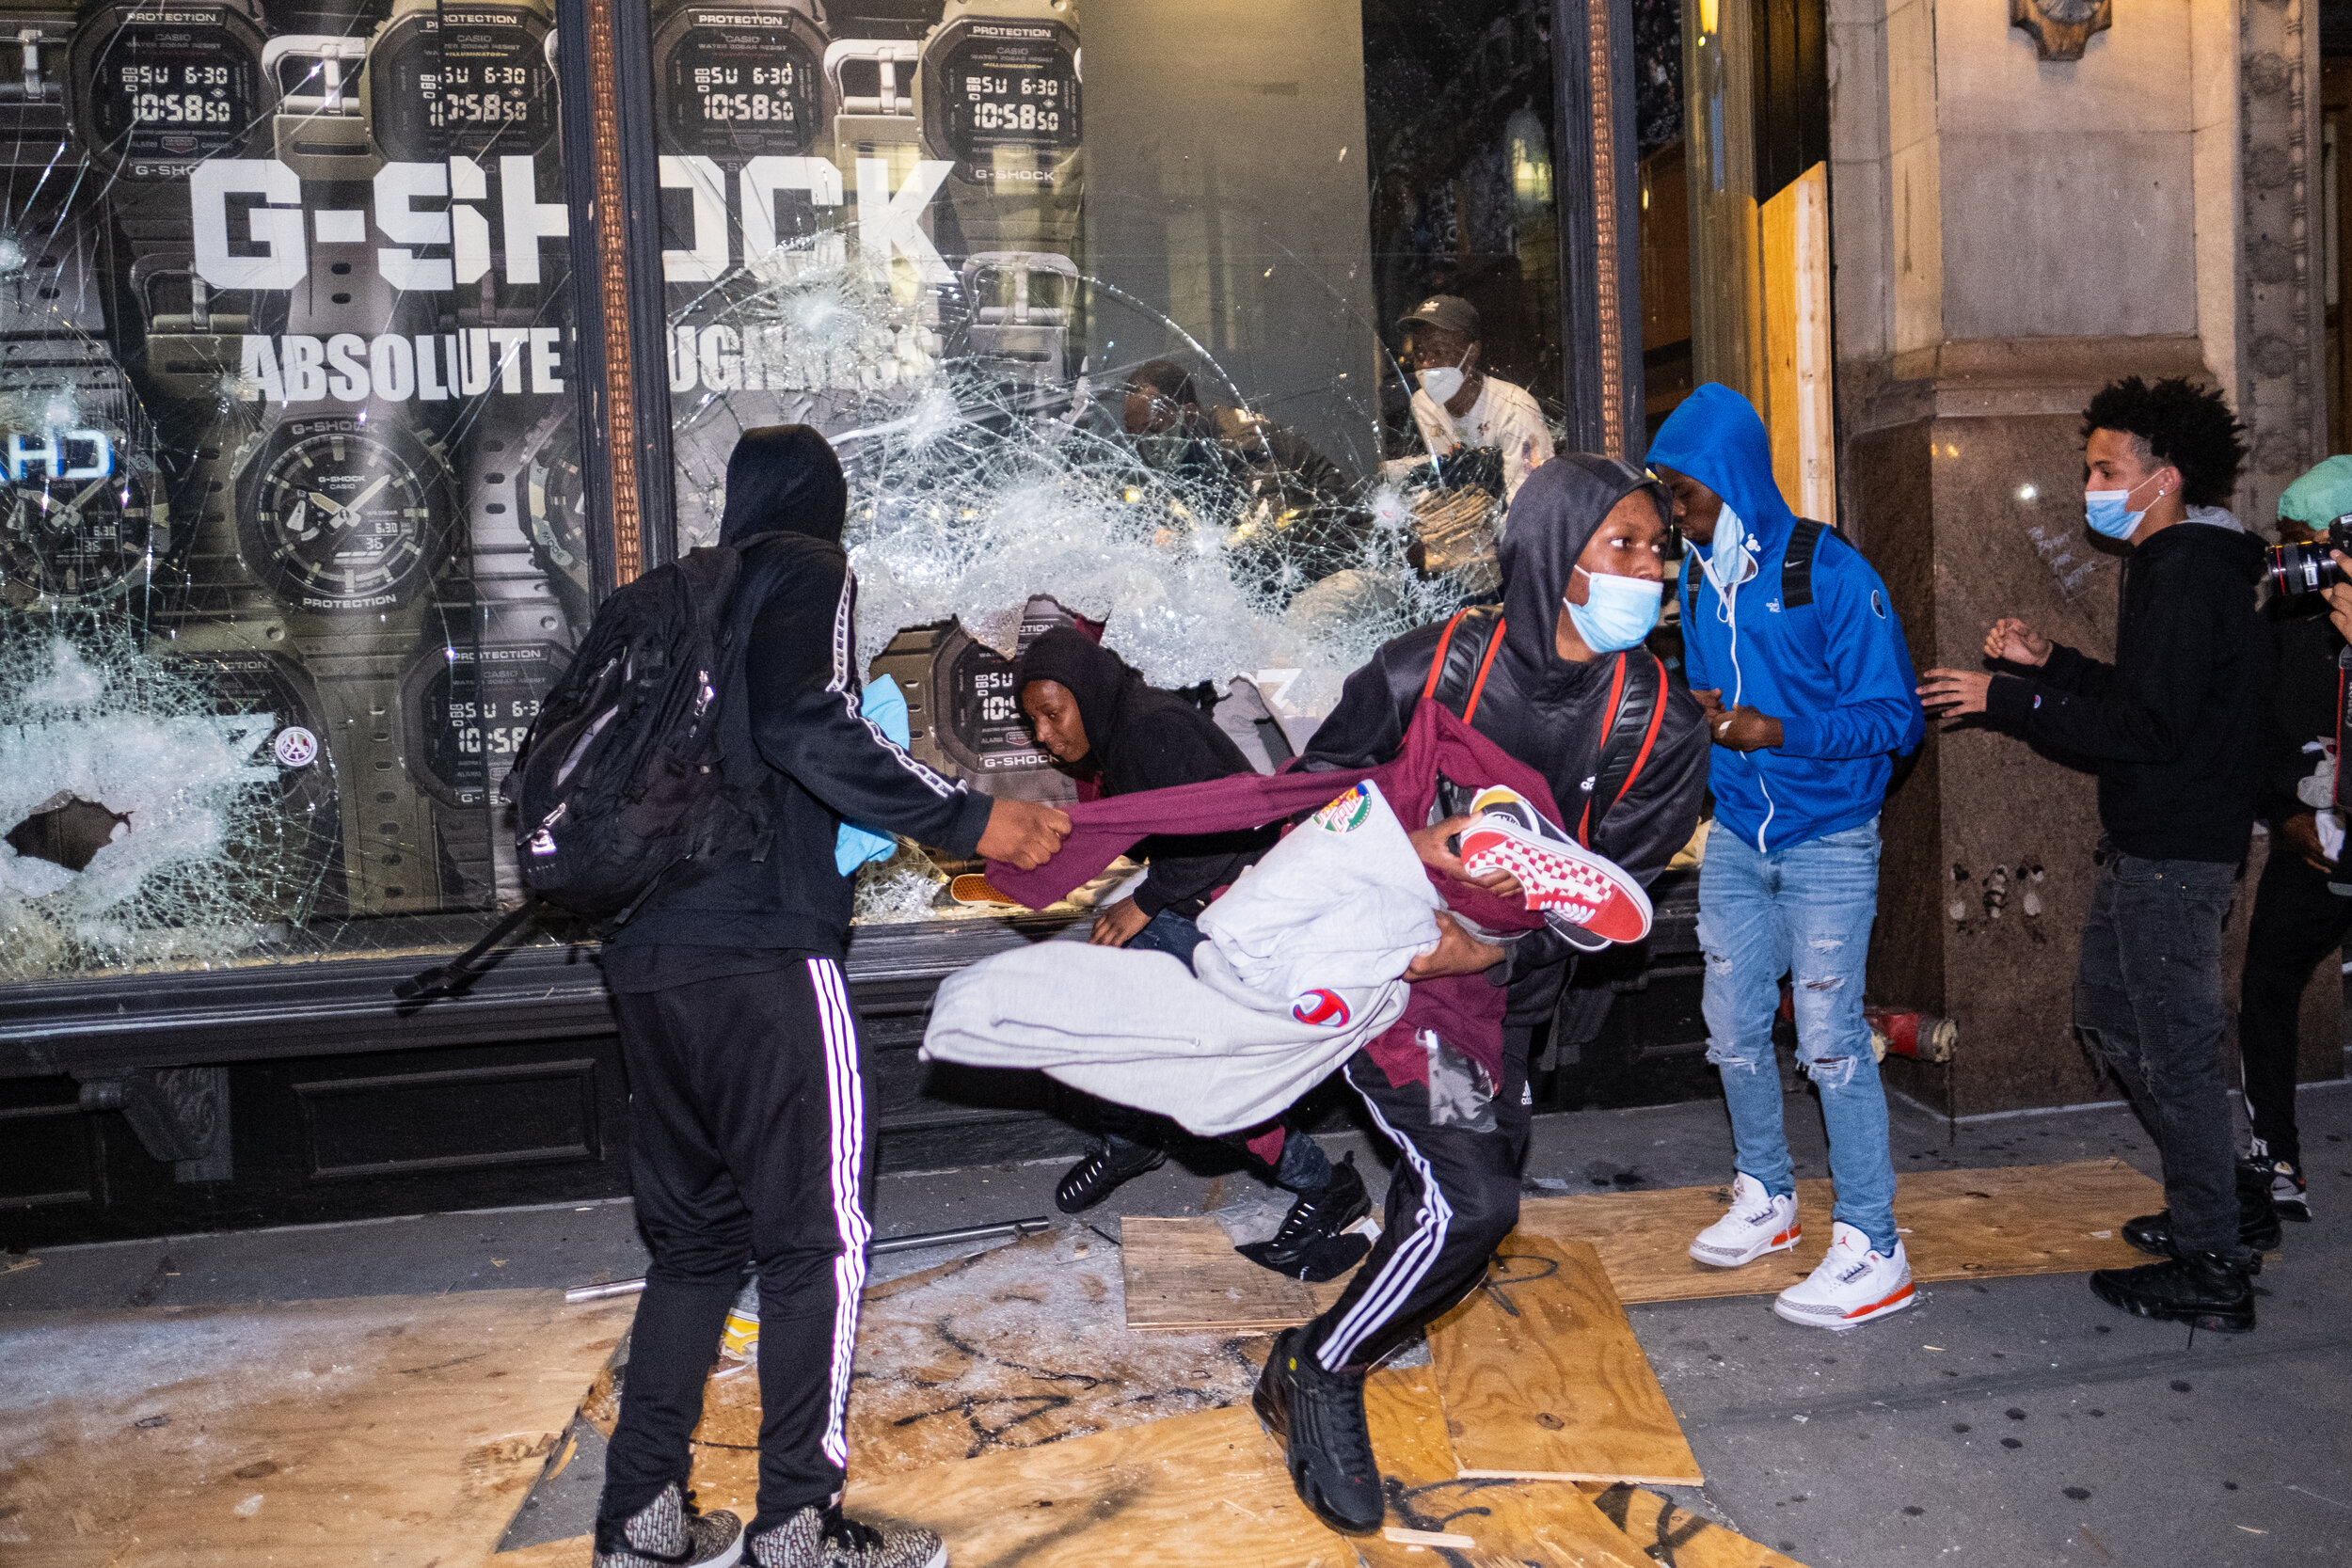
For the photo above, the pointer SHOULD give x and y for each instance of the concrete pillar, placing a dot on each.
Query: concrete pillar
(2010, 234)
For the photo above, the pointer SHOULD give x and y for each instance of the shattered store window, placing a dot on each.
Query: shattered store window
(1100, 307)
(294, 538)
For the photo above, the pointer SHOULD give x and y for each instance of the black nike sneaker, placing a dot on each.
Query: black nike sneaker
(1310, 1245)
(2290, 1193)
(1318, 1417)
(2257, 1219)
(2204, 1290)
(1106, 1169)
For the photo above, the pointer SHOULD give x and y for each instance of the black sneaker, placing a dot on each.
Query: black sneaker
(1101, 1173)
(1309, 1247)
(2257, 1220)
(671, 1531)
(2290, 1195)
(2201, 1288)
(1318, 1418)
(826, 1538)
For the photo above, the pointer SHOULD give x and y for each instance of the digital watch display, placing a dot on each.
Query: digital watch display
(335, 516)
(1006, 85)
(470, 81)
(169, 87)
(469, 711)
(741, 84)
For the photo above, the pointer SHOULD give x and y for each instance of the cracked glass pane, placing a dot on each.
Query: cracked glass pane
(294, 535)
(1098, 305)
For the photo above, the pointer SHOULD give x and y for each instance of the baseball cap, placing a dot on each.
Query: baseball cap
(1450, 311)
(2321, 495)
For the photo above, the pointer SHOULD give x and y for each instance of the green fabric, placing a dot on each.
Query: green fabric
(2321, 495)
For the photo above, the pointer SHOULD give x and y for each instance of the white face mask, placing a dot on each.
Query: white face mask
(1444, 383)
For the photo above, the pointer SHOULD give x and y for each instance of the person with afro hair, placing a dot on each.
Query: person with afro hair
(2171, 729)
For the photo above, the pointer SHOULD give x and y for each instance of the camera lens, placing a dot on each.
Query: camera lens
(2300, 568)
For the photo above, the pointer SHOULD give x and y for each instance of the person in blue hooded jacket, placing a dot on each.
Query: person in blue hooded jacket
(1798, 659)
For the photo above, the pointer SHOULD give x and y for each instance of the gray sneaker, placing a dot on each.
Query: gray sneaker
(824, 1538)
(670, 1531)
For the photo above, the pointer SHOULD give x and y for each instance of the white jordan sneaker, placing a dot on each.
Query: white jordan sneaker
(1758, 1223)
(1853, 1284)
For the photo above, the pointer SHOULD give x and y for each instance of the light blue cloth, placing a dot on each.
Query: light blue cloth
(885, 708)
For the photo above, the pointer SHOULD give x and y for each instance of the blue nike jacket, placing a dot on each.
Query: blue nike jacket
(1835, 673)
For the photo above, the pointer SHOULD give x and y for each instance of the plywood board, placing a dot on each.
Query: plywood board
(1184, 1274)
(1959, 1224)
(1671, 1534)
(1543, 1378)
(1550, 1524)
(301, 1432)
(1019, 1346)
(1203, 1489)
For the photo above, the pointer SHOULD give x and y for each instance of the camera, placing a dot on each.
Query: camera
(2306, 568)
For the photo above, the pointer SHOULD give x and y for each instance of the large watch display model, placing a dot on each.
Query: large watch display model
(82, 511)
(158, 89)
(1000, 100)
(470, 81)
(739, 82)
(966, 709)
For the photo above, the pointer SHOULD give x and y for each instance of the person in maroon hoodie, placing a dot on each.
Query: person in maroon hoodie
(1559, 682)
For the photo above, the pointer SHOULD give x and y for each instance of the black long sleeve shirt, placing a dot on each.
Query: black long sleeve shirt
(1162, 740)
(791, 726)
(2171, 725)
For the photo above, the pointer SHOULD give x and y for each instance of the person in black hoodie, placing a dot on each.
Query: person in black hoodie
(1583, 570)
(2173, 727)
(1095, 714)
(747, 1111)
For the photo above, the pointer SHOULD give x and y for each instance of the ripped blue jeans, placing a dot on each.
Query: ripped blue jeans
(1804, 911)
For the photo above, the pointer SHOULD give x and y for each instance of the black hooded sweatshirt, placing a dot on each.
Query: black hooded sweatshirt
(791, 726)
(1545, 711)
(2173, 725)
(1140, 737)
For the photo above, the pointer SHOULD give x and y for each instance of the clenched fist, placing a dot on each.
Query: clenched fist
(1023, 832)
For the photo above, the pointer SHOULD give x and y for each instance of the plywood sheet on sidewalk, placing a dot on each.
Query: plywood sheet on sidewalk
(1184, 1274)
(1960, 1224)
(1018, 1346)
(1551, 1524)
(1669, 1533)
(1542, 1377)
(1206, 1489)
(320, 1431)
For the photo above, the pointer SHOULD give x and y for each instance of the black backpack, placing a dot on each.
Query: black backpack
(619, 780)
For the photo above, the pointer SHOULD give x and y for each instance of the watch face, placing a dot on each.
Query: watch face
(1006, 85)
(299, 848)
(170, 87)
(555, 504)
(334, 515)
(741, 83)
(81, 535)
(471, 81)
(470, 709)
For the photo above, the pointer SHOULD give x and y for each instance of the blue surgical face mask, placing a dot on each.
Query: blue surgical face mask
(2108, 512)
(1726, 561)
(1617, 613)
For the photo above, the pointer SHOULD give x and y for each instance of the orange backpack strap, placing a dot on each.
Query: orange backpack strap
(1437, 660)
(1637, 711)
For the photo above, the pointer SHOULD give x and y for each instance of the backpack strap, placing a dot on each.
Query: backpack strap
(1796, 564)
(1462, 671)
(1637, 711)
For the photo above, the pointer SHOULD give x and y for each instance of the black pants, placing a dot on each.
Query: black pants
(1452, 1197)
(747, 1141)
(2298, 923)
(2148, 998)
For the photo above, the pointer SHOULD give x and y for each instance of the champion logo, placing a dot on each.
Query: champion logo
(1327, 1009)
